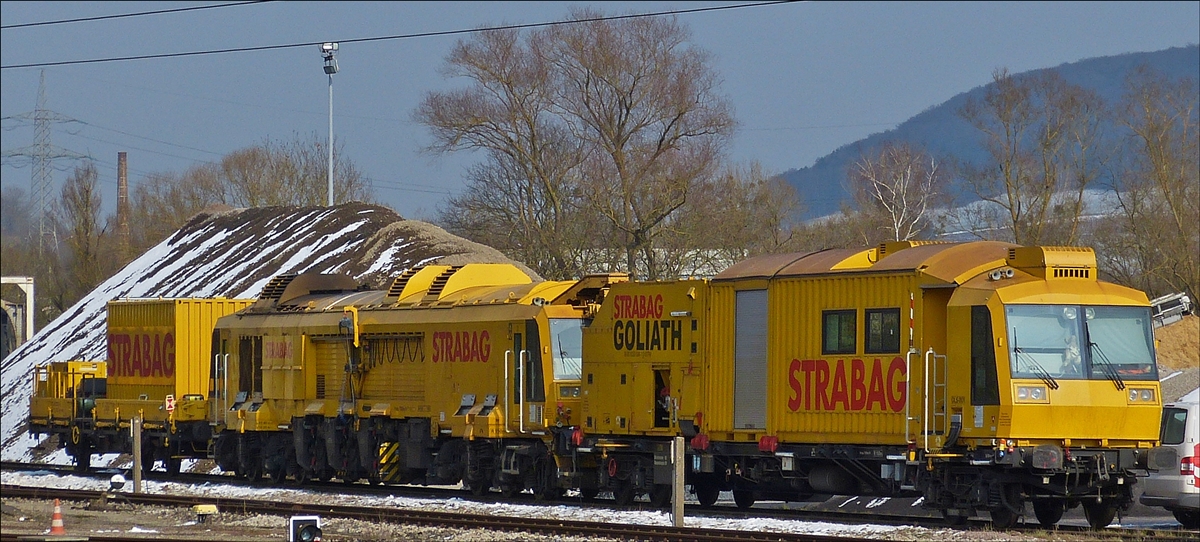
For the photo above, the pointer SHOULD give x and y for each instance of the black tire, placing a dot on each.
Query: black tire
(707, 494)
(1189, 518)
(743, 499)
(1048, 511)
(1099, 514)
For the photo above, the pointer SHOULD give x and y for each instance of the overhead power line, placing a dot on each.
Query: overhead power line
(396, 36)
(124, 15)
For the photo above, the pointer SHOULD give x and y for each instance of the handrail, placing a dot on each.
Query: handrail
(925, 393)
(225, 371)
(521, 387)
(931, 358)
(908, 417)
(507, 387)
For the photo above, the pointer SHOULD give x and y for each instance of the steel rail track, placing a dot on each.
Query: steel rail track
(851, 518)
(439, 519)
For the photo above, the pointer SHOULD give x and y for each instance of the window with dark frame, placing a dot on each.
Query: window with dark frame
(839, 333)
(882, 331)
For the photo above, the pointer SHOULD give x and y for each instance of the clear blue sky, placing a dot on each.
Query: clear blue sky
(805, 78)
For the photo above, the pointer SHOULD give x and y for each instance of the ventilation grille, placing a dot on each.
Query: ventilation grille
(401, 281)
(276, 286)
(320, 386)
(1071, 273)
(439, 283)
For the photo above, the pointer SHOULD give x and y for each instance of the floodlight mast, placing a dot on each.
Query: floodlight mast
(331, 67)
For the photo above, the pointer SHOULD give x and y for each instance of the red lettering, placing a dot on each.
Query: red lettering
(822, 382)
(156, 368)
(135, 367)
(169, 355)
(794, 401)
(858, 388)
(808, 366)
(897, 385)
(839, 386)
(461, 346)
(875, 394)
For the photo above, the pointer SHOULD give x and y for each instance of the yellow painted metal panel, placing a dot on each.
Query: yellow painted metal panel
(163, 346)
(836, 397)
(643, 349)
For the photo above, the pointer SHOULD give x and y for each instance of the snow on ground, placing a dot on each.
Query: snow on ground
(564, 511)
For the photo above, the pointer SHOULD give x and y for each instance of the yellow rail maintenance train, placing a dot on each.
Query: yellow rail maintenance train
(977, 375)
(980, 376)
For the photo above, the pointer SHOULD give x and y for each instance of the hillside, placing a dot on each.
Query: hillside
(940, 130)
(233, 254)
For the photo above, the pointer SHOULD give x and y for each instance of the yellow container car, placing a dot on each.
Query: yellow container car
(454, 373)
(979, 375)
(159, 363)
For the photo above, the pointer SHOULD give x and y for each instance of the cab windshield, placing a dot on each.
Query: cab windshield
(1080, 342)
(566, 341)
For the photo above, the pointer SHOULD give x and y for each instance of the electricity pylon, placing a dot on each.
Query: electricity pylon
(41, 156)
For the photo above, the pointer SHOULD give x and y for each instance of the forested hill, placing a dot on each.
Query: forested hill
(943, 132)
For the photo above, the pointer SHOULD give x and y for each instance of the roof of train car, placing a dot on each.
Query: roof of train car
(943, 261)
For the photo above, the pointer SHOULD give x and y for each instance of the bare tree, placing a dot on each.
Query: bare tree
(1041, 134)
(1158, 245)
(896, 187)
(84, 262)
(616, 119)
(524, 200)
(647, 106)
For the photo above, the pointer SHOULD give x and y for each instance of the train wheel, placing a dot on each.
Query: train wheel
(1048, 511)
(660, 496)
(174, 464)
(148, 452)
(508, 491)
(589, 493)
(624, 493)
(707, 494)
(479, 488)
(1008, 513)
(954, 518)
(744, 499)
(83, 456)
(1099, 514)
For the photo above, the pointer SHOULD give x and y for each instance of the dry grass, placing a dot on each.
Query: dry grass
(1179, 344)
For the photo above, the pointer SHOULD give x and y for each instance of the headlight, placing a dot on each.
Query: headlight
(1141, 395)
(1032, 394)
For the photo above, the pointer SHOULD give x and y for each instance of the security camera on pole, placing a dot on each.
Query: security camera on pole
(328, 50)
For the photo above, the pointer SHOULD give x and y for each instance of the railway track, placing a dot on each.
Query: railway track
(438, 519)
(475, 521)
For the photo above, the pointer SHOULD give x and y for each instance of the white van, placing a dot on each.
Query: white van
(1174, 481)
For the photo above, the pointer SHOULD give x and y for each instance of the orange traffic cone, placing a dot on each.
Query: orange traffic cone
(56, 523)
